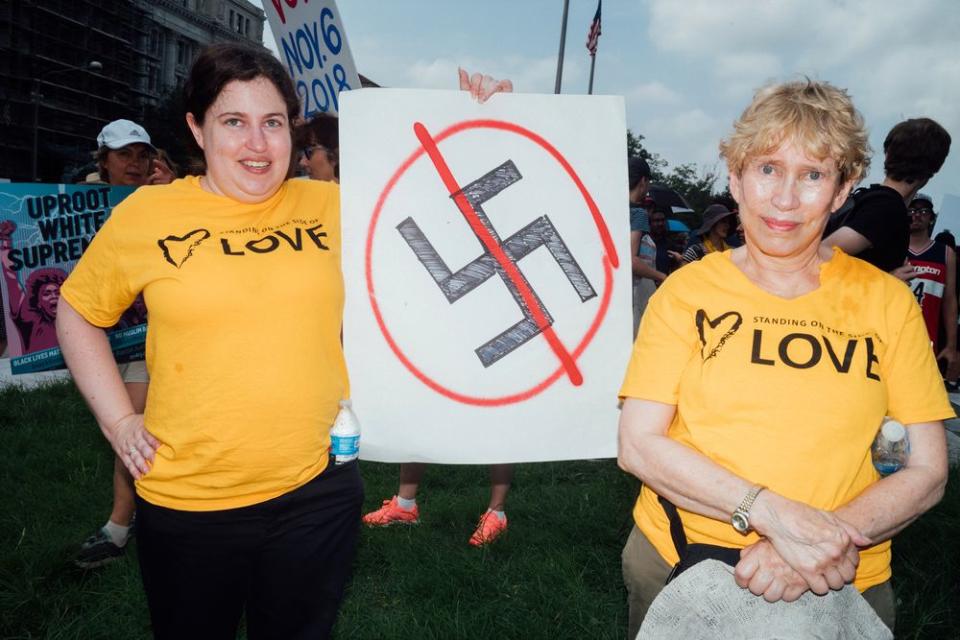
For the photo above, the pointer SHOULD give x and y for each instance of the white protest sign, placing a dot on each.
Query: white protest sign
(488, 276)
(313, 44)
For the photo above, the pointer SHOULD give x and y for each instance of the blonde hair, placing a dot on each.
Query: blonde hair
(819, 117)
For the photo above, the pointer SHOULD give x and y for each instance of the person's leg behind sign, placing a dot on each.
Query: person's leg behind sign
(402, 508)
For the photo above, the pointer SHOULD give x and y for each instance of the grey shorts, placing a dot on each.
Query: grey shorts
(135, 371)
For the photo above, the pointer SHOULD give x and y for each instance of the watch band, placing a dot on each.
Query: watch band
(741, 517)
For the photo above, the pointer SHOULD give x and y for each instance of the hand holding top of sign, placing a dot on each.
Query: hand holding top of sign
(481, 87)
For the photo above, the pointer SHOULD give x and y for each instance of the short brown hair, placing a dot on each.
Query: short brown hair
(915, 150)
(322, 129)
(818, 116)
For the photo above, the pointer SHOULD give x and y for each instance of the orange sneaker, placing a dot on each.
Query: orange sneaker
(392, 513)
(488, 529)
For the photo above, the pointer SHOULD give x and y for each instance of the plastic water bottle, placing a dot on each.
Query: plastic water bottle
(345, 435)
(891, 447)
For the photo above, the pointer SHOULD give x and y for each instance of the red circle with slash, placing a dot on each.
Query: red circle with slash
(610, 262)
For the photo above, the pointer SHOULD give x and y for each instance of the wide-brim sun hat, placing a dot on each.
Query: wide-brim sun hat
(705, 602)
(711, 216)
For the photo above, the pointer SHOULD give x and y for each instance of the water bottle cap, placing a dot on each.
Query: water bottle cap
(893, 431)
(345, 403)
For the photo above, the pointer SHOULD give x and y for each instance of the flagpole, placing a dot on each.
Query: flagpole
(563, 40)
(593, 61)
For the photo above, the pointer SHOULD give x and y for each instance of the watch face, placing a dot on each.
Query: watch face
(740, 522)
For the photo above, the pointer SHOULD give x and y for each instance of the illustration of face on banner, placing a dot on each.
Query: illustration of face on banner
(44, 229)
(486, 258)
(313, 44)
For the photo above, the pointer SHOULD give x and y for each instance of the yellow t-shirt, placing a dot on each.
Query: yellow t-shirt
(243, 345)
(784, 393)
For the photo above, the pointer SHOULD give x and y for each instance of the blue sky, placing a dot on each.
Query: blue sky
(686, 69)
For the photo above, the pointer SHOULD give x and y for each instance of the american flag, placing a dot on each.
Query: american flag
(594, 35)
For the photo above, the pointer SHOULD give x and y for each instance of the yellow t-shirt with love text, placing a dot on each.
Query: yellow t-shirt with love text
(788, 394)
(245, 305)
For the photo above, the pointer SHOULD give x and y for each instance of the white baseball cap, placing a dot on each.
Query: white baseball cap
(120, 133)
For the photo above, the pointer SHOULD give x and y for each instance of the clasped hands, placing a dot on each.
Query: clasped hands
(802, 549)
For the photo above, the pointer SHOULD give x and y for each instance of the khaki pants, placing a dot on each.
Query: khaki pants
(645, 571)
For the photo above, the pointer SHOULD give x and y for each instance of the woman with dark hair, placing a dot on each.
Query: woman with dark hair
(319, 143)
(240, 510)
(33, 309)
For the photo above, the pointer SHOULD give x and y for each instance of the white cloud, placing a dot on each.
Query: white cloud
(897, 60)
(687, 69)
(653, 93)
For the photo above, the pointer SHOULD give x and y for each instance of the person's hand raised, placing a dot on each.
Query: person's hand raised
(481, 87)
(161, 174)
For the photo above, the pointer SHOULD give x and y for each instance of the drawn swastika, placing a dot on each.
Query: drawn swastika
(500, 256)
(538, 233)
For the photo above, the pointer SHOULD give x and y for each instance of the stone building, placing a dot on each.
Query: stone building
(51, 98)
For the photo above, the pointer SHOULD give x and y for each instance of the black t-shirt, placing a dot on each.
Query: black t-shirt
(881, 216)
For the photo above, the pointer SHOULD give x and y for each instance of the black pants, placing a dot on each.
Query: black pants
(285, 561)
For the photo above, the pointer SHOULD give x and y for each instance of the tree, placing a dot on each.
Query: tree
(696, 188)
(635, 149)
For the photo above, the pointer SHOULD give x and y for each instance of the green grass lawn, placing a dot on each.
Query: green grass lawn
(555, 575)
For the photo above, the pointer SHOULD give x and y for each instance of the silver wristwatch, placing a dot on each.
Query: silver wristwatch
(741, 517)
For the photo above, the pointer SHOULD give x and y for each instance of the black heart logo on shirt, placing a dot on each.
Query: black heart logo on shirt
(178, 249)
(715, 333)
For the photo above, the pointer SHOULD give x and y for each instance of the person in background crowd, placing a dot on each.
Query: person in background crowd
(717, 225)
(948, 239)
(125, 156)
(649, 204)
(745, 433)
(319, 141)
(735, 238)
(642, 248)
(877, 227)
(638, 181)
(402, 508)
(239, 510)
(660, 235)
(934, 286)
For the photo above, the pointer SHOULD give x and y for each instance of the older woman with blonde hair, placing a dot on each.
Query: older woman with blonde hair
(819, 347)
